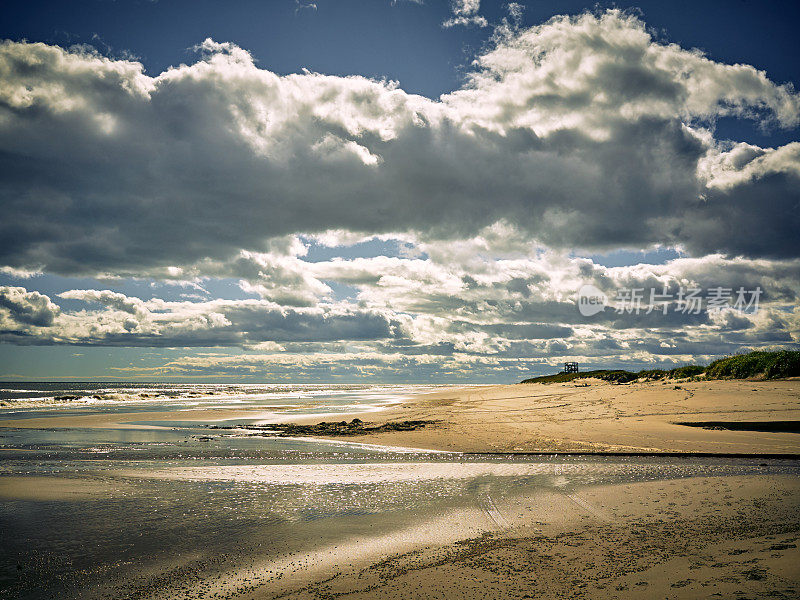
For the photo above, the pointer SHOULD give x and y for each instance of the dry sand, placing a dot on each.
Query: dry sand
(638, 417)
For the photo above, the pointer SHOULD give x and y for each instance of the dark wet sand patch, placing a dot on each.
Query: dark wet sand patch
(764, 426)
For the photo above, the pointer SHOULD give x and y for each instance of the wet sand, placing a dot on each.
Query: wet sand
(697, 538)
(701, 538)
(49, 489)
(122, 419)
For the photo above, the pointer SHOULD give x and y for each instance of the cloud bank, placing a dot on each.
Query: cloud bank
(456, 312)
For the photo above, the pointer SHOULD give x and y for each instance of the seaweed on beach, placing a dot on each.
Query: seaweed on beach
(330, 428)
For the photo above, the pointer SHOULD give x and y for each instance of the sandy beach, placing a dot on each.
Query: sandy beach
(595, 416)
(694, 537)
(699, 538)
(399, 300)
(589, 416)
(625, 501)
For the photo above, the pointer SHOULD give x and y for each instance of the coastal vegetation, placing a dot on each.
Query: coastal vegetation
(759, 364)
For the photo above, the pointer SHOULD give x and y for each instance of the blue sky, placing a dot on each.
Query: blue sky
(182, 224)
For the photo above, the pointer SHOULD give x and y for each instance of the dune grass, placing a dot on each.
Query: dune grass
(770, 365)
(607, 375)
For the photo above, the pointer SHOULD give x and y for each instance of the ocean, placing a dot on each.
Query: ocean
(282, 398)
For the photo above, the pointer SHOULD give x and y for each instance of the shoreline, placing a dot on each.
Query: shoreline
(639, 419)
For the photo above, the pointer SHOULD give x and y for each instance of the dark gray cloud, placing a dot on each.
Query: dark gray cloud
(755, 218)
(520, 331)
